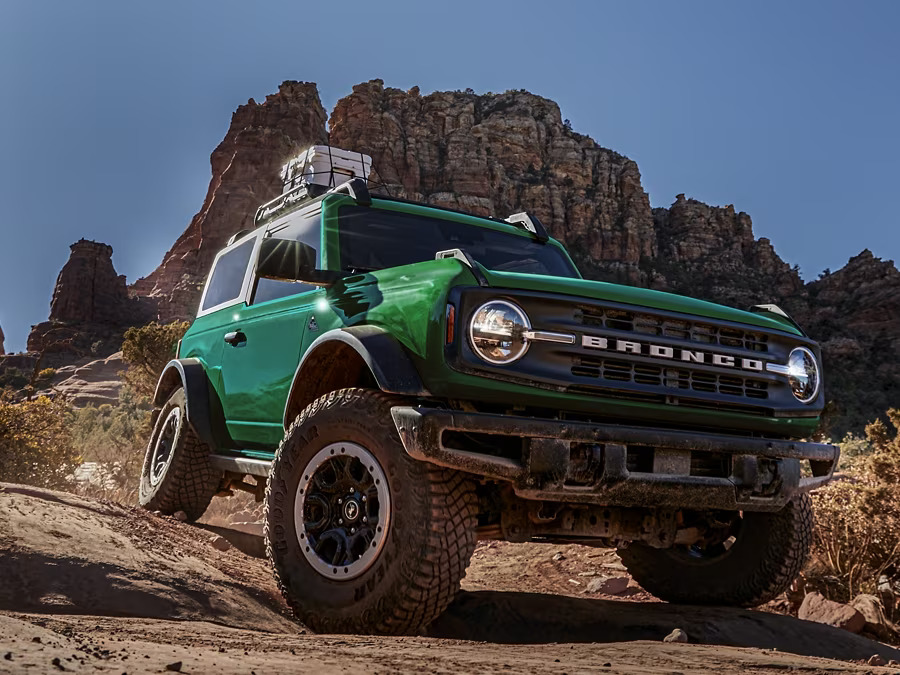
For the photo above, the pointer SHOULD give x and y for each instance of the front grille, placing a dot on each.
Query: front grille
(662, 326)
(652, 356)
(619, 371)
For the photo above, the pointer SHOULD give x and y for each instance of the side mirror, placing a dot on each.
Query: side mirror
(290, 260)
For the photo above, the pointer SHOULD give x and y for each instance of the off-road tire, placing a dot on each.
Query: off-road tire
(768, 553)
(189, 482)
(431, 532)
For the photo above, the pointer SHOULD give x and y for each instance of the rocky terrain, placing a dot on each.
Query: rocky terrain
(90, 381)
(498, 154)
(95, 587)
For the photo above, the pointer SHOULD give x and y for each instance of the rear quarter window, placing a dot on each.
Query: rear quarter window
(227, 278)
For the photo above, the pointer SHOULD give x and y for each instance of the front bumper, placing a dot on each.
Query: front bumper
(607, 464)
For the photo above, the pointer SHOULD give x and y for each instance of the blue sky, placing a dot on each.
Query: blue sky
(109, 110)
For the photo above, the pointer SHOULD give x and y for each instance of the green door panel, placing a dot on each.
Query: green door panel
(258, 370)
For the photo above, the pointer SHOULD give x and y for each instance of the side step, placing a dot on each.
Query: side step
(242, 465)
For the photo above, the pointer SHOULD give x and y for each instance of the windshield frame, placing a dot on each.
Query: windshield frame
(331, 223)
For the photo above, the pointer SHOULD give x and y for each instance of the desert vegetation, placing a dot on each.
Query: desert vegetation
(857, 536)
(95, 451)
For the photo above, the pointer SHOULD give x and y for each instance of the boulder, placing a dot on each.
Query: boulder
(816, 607)
(876, 622)
(608, 585)
(676, 635)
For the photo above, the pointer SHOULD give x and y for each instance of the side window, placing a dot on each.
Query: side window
(303, 229)
(227, 277)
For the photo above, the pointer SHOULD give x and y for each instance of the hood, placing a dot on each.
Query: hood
(639, 297)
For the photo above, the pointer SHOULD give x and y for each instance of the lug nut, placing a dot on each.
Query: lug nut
(340, 501)
(365, 520)
(364, 498)
(352, 530)
(340, 521)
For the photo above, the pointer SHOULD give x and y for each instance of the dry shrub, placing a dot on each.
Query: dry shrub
(111, 442)
(35, 442)
(857, 536)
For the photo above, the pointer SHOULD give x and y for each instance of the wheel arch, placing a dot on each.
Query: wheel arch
(202, 406)
(352, 357)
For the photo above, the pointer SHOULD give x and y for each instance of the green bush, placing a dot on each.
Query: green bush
(146, 350)
(14, 379)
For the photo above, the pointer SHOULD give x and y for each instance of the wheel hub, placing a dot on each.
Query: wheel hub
(351, 510)
(342, 511)
(165, 445)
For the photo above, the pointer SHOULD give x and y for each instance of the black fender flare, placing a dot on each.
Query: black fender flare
(202, 406)
(386, 358)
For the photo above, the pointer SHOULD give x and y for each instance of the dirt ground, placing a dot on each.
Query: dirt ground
(91, 587)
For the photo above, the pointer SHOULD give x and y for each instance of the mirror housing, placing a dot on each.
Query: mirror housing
(290, 260)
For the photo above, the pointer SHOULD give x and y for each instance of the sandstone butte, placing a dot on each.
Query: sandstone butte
(497, 154)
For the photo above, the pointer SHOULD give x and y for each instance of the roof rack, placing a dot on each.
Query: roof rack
(293, 197)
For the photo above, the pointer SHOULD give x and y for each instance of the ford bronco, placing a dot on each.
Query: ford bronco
(397, 380)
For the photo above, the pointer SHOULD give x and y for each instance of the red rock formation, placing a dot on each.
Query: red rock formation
(499, 154)
(91, 306)
(245, 173)
(711, 252)
(855, 315)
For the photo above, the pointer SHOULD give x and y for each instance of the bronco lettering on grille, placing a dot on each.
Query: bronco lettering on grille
(671, 353)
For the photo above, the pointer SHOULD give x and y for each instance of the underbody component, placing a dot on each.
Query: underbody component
(580, 462)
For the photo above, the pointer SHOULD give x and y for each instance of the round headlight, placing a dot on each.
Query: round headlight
(497, 332)
(803, 374)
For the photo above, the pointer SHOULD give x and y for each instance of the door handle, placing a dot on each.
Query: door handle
(235, 337)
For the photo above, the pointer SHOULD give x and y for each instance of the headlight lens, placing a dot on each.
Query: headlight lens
(803, 374)
(497, 332)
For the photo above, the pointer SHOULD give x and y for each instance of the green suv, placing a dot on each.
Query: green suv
(397, 380)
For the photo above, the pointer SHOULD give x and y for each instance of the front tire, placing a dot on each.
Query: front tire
(363, 538)
(177, 474)
(766, 553)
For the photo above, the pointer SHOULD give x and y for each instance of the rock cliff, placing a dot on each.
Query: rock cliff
(245, 173)
(2, 339)
(711, 252)
(501, 153)
(91, 306)
(855, 315)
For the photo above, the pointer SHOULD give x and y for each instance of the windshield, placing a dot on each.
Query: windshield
(374, 239)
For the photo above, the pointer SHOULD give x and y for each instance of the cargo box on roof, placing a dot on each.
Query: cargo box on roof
(326, 166)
